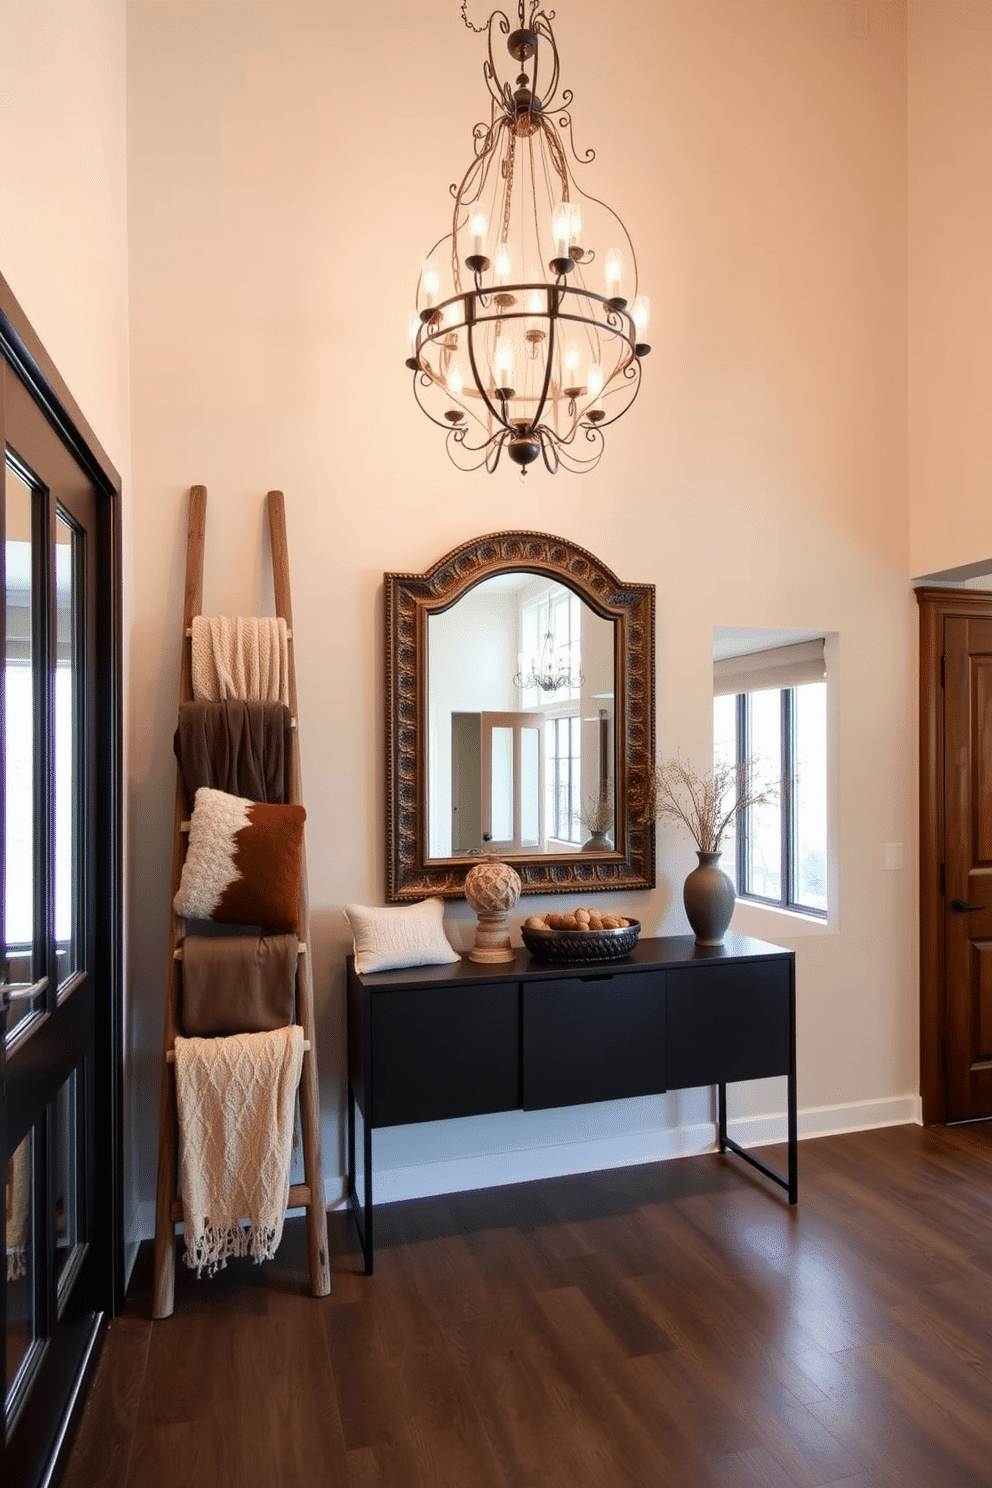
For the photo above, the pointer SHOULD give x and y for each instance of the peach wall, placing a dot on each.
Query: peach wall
(288, 170)
(950, 283)
(63, 237)
(63, 232)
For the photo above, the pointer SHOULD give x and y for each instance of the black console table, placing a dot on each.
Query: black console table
(433, 1042)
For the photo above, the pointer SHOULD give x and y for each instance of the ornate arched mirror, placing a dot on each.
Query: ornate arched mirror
(520, 719)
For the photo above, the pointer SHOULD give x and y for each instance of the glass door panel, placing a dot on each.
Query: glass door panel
(501, 789)
(67, 1218)
(67, 739)
(19, 748)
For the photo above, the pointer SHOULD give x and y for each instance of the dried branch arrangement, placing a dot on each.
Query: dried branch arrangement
(596, 812)
(705, 803)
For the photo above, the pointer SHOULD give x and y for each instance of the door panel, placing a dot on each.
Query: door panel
(595, 1037)
(723, 1028)
(967, 926)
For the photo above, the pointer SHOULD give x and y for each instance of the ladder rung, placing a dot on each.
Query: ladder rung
(177, 954)
(299, 1198)
(170, 1054)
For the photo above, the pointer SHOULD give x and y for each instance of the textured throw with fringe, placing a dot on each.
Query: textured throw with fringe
(236, 1101)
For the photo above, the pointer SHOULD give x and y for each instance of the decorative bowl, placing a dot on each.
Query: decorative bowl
(581, 945)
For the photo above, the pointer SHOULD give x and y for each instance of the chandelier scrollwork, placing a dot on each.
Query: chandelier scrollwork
(529, 329)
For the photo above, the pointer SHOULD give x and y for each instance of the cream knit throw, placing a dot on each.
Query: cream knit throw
(237, 656)
(236, 1099)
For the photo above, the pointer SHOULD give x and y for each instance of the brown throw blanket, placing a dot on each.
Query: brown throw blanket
(239, 747)
(238, 983)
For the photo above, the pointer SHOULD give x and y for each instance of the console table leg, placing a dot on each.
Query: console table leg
(350, 1169)
(367, 1242)
(361, 1209)
(793, 1143)
(721, 1116)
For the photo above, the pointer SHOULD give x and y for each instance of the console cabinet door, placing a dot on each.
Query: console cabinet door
(728, 1022)
(444, 1051)
(594, 1038)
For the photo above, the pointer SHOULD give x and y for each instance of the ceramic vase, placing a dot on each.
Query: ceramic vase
(708, 894)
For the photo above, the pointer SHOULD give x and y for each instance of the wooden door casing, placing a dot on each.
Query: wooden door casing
(955, 854)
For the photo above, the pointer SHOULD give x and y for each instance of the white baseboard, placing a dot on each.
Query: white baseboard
(828, 1121)
(494, 1169)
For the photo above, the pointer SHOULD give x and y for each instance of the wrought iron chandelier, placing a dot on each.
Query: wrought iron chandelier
(529, 330)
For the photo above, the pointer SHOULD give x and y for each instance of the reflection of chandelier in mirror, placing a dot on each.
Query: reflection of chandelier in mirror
(540, 347)
(549, 674)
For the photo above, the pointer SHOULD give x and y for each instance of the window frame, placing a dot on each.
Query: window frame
(788, 834)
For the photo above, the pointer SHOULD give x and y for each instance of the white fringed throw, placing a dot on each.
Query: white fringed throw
(237, 656)
(236, 1100)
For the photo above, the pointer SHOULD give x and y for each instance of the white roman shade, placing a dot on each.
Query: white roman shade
(782, 666)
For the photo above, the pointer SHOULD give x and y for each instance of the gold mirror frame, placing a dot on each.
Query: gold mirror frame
(410, 599)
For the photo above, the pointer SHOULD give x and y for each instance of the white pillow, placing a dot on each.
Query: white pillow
(411, 935)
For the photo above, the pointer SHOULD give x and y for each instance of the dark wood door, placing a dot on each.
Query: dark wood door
(967, 899)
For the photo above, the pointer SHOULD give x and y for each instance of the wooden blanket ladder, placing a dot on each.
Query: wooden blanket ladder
(308, 1195)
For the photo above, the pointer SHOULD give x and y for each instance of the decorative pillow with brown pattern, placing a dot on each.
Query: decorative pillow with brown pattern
(243, 862)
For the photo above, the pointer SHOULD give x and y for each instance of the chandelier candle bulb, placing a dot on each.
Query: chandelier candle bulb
(642, 318)
(561, 228)
(614, 279)
(572, 388)
(594, 389)
(414, 328)
(574, 230)
(502, 266)
(503, 367)
(431, 287)
(479, 228)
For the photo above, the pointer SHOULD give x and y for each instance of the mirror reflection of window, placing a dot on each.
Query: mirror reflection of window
(564, 777)
(549, 775)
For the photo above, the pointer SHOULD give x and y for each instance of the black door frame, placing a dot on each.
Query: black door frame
(28, 360)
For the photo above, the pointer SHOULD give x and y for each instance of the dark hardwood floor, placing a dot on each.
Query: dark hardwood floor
(667, 1326)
